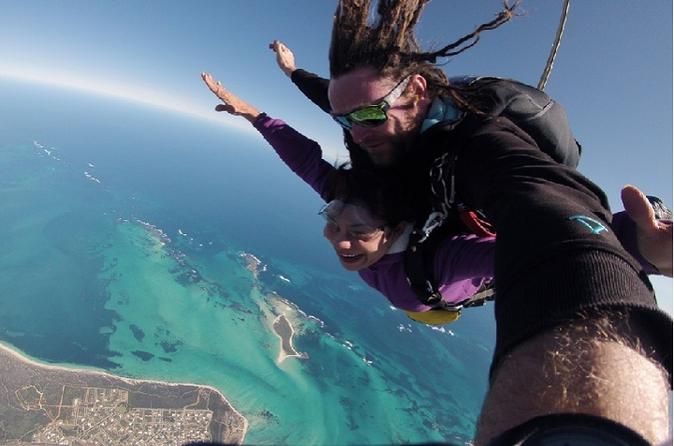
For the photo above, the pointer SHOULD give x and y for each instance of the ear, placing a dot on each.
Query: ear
(418, 86)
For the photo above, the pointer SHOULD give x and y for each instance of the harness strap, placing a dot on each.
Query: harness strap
(476, 224)
(418, 266)
(484, 294)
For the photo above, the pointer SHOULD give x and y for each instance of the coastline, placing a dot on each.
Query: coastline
(14, 352)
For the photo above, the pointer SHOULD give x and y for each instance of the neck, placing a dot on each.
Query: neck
(400, 242)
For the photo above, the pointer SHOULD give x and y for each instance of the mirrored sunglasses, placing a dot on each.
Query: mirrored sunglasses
(375, 114)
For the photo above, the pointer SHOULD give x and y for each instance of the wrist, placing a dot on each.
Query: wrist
(289, 71)
(251, 116)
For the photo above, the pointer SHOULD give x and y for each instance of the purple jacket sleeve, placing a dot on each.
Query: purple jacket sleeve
(301, 154)
(462, 264)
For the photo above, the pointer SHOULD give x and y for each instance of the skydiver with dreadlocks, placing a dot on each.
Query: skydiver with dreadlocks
(574, 311)
(368, 223)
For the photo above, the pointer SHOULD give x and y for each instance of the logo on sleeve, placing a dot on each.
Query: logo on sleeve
(593, 225)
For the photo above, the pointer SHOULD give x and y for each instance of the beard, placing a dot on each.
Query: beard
(393, 151)
(390, 148)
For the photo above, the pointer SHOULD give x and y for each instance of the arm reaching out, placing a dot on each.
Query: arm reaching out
(314, 87)
(654, 236)
(231, 103)
(284, 57)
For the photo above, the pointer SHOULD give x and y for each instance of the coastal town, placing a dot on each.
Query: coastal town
(41, 404)
(103, 416)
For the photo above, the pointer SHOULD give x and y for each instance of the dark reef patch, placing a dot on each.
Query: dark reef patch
(145, 356)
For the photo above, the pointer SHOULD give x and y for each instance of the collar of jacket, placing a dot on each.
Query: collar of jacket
(441, 110)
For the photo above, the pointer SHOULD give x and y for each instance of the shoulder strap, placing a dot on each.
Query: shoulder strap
(419, 265)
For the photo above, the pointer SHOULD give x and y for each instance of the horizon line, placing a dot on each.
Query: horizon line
(137, 95)
(125, 92)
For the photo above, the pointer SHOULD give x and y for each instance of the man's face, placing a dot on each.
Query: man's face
(387, 141)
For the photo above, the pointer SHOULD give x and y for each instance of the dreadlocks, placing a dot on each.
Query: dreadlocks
(355, 42)
(388, 43)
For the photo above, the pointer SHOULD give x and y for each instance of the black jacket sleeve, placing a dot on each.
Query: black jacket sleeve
(556, 255)
(313, 87)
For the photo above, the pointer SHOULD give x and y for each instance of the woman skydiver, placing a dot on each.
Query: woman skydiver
(369, 219)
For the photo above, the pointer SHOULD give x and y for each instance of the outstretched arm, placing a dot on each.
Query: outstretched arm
(311, 85)
(301, 155)
(231, 103)
(284, 57)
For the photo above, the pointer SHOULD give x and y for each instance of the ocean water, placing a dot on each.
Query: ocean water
(123, 233)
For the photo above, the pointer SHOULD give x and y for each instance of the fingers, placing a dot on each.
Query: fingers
(216, 87)
(284, 57)
(638, 207)
(210, 82)
(278, 47)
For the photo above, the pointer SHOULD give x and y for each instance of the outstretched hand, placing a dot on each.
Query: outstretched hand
(284, 57)
(654, 237)
(231, 103)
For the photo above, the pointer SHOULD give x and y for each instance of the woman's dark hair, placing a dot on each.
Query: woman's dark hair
(380, 192)
(388, 43)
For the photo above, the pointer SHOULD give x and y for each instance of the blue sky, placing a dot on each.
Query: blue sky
(613, 72)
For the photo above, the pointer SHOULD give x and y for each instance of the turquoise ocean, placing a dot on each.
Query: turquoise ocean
(123, 234)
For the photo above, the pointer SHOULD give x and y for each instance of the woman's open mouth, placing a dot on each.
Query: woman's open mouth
(350, 258)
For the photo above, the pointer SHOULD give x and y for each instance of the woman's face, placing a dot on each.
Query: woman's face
(359, 239)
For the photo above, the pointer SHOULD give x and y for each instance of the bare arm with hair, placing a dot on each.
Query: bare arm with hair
(593, 366)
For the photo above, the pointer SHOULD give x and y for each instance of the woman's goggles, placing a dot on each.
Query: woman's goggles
(354, 221)
(375, 114)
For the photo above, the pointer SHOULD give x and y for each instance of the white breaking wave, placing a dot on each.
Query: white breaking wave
(91, 177)
(403, 328)
(442, 330)
(49, 151)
